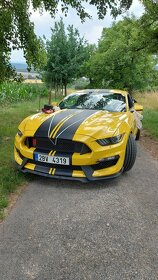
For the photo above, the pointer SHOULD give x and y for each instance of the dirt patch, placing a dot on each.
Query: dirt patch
(13, 197)
(150, 144)
(5, 139)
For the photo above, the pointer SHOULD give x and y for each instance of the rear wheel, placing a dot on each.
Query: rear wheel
(131, 152)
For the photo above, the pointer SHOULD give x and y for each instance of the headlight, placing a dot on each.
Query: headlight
(19, 133)
(110, 141)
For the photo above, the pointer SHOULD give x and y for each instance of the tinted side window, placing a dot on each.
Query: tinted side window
(130, 101)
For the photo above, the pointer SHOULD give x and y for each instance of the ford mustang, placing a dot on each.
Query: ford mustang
(89, 136)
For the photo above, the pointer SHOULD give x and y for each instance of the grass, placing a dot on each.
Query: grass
(148, 99)
(150, 122)
(10, 117)
(150, 102)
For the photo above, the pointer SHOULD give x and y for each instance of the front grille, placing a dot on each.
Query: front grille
(62, 145)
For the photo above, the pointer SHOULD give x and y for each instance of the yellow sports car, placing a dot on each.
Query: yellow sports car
(89, 136)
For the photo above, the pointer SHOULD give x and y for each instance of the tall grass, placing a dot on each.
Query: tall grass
(150, 102)
(150, 122)
(12, 92)
(148, 99)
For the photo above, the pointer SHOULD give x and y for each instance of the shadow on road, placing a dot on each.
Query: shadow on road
(77, 185)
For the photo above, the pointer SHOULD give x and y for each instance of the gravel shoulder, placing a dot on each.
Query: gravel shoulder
(150, 144)
(63, 230)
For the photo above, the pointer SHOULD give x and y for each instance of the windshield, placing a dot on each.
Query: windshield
(112, 102)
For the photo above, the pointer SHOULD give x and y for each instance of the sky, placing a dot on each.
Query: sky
(91, 29)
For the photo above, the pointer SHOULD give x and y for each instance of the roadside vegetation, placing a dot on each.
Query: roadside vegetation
(121, 60)
(10, 117)
(150, 102)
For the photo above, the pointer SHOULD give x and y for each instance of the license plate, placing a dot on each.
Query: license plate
(52, 159)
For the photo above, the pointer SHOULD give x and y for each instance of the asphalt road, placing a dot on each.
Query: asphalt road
(61, 230)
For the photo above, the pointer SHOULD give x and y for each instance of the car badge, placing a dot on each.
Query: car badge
(54, 141)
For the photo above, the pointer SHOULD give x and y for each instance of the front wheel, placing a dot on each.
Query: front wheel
(131, 152)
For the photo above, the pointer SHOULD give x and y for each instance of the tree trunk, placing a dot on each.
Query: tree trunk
(62, 89)
(57, 90)
(50, 96)
(65, 88)
(55, 94)
(91, 82)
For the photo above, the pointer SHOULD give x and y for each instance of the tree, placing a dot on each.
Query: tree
(17, 32)
(149, 26)
(6, 69)
(119, 62)
(66, 52)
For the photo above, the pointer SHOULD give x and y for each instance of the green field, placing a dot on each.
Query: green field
(12, 92)
(10, 117)
(150, 122)
(150, 102)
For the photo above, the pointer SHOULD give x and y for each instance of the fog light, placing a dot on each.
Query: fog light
(108, 159)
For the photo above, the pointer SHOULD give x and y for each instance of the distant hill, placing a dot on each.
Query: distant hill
(21, 67)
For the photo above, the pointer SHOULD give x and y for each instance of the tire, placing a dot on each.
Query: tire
(138, 134)
(131, 152)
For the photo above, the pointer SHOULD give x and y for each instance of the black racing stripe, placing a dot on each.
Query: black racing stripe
(62, 172)
(42, 131)
(69, 128)
(42, 169)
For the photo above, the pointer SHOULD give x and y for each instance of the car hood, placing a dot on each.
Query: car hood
(67, 123)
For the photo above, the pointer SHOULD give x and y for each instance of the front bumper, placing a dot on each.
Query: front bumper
(81, 179)
(84, 167)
